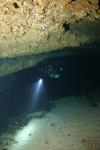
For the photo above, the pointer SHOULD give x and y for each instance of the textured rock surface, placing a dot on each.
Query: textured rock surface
(37, 26)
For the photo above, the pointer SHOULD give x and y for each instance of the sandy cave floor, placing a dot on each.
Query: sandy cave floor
(73, 124)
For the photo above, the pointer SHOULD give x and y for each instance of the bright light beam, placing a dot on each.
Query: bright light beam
(38, 86)
(40, 81)
(37, 90)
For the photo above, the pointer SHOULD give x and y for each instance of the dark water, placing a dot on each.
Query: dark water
(19, 95)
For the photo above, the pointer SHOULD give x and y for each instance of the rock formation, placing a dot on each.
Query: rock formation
(39, 26)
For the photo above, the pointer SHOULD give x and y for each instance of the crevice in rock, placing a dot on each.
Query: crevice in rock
(71, 1)
(89, 2)
(99, 4)
(16, 6)
(66, 26)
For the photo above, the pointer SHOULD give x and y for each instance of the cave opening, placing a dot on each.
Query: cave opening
(46, 94)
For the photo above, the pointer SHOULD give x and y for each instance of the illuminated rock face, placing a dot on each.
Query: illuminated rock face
(18, 17)
(37, 26)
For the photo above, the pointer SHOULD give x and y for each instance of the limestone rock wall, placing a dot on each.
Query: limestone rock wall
(39, 26)
(17, 17)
